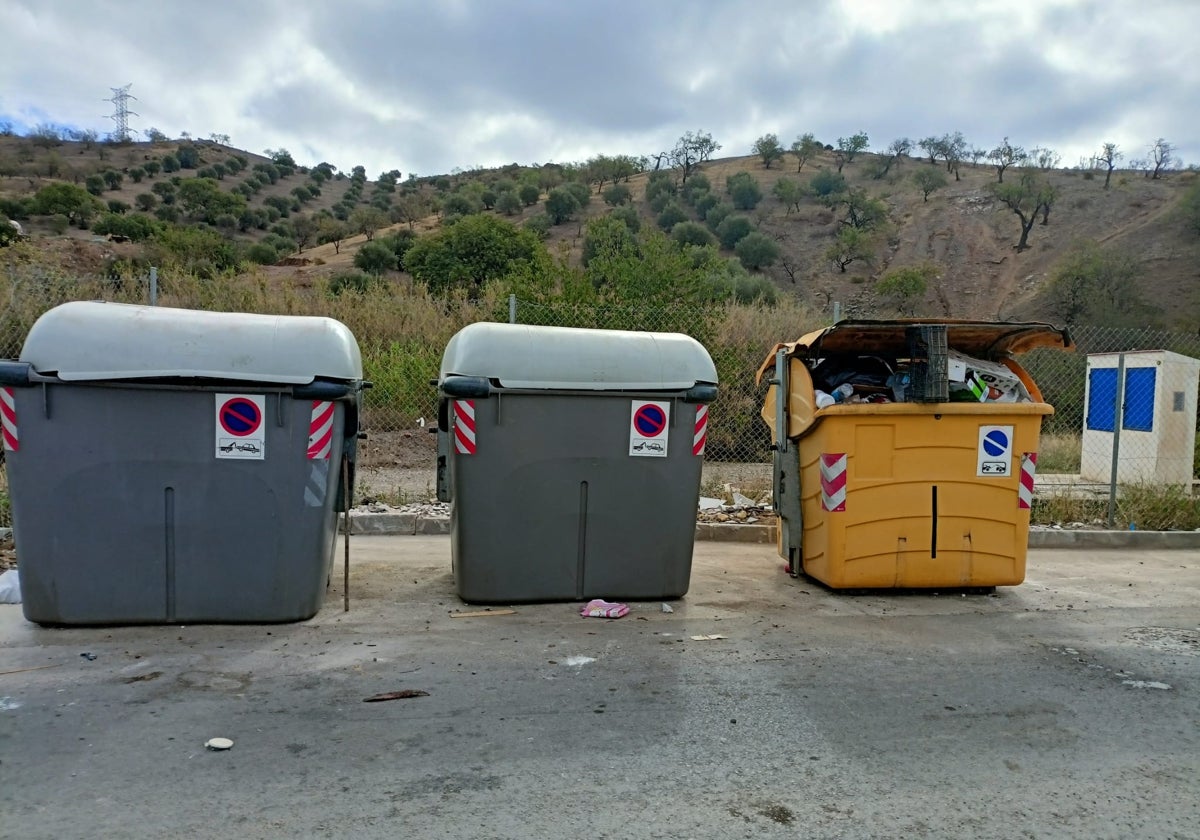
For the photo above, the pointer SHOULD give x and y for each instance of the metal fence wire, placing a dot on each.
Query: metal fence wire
(1121, 448)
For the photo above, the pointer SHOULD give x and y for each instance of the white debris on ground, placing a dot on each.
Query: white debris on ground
(428, 508)
(1095, 525)
(751, 514)
(744, 512)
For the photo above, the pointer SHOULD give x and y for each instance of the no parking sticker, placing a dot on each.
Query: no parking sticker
(239, 426)
(648, 429)
(994, 455)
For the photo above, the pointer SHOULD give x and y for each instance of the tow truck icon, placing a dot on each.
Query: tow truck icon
(651, 445)
(237, 446)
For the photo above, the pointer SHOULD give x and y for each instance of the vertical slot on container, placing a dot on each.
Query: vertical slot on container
(933, 526)
(169, 548)
(581, 552)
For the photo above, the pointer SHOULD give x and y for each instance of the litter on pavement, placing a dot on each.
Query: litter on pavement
(597, 608)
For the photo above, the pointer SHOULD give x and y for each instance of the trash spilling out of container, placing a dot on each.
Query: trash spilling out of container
(905, 451)
(172, 466)
(573, 458)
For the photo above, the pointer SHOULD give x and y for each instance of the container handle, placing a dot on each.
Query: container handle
(15, 374)
(466, 386)
(700, 393)
(322, 390)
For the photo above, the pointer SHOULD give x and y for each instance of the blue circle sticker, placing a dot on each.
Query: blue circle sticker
(995, 443)
(650, 420)
(240, 417)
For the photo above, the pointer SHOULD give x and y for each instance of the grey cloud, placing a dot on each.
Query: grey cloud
(571, 78)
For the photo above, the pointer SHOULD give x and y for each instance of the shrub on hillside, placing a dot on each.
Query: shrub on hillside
(508, 203)
(351, 281)
(628, 214)
(617, 195)
(529, 194)
(826, 183)
(461, 204)
(580, 191)
(716, 214)
(744, 191)
(607, 235)
(696, 186)
(399, 242)
(754, 289)
(704, 203)
(671, 215)
(376, 257)
(539, 224)
(732, 230)
(262, 254)
(561, 205)
(137, 227)
(692, 233)
(756, 250)
(659, 191)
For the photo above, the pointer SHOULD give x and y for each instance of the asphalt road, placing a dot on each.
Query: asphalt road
(1066, 707)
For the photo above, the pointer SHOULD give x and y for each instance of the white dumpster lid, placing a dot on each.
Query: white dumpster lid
(91, 340)
(522, 356)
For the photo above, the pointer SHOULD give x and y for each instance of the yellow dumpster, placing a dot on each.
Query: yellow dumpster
(905, 451)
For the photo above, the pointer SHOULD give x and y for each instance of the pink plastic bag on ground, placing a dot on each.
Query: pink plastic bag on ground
(596, 608)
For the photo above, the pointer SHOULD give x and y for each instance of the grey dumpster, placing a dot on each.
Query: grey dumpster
(170, 466)
(573, 461)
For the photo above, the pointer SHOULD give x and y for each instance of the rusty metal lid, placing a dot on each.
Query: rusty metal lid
(988, 340)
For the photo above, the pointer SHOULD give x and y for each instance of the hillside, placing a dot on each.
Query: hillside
(962, 229)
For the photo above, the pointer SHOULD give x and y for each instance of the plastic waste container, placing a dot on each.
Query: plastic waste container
(924, 477)
(573, 460)
(170, 466)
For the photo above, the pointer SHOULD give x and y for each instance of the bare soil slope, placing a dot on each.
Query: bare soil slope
(962, 228)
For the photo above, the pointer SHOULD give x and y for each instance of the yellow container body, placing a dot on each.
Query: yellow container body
(925, 503)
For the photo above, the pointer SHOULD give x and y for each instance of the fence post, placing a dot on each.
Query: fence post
(512, 309)
(837, 311)
(1118, 419)
(154, 285)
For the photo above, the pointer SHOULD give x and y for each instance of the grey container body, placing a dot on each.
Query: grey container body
(573, 460)
(552, 507)
(122, 514)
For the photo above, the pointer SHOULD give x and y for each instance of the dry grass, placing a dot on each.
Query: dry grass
(1059, 453)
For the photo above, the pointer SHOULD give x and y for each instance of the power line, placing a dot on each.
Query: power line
(120, 98)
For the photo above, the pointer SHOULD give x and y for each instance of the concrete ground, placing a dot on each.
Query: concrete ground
(1066, 707)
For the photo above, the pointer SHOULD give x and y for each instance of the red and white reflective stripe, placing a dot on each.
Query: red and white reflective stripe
(833, 481)
(464, 427)
(1028, 470)
(8, 415)
(701, 434)
(320, 431)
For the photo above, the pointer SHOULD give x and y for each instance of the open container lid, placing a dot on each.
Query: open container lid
(94, 341)
(987, 340)
(520, 356)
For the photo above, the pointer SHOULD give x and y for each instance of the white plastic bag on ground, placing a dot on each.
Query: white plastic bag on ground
(10, 587)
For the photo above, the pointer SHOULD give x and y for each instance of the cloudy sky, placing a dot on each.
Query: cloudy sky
(427, 87)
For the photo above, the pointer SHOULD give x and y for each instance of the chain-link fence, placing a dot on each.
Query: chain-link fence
(1121, 448)
(1092, 470)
